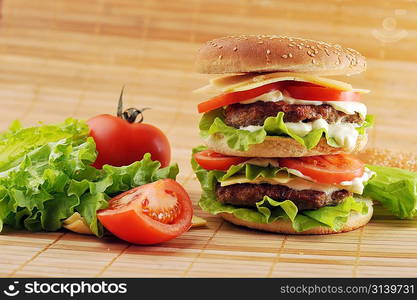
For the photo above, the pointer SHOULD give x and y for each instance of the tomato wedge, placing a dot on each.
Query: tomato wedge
(308, 91)
(149, 214)
(235, 97)
(211, 160)
(329, 169)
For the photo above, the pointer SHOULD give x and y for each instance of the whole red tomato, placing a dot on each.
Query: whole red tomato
(120, 141)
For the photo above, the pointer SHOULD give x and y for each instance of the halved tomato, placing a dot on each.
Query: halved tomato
(309, 91)
(211, 160)
(235, 97)
(329, 169)
(149, 214)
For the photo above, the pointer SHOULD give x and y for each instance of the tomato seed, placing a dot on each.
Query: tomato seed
(166, 216)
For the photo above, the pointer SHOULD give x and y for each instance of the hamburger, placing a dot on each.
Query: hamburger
(280, 135)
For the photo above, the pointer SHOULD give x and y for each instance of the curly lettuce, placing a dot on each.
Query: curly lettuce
(46, 176)
(395, 189)
(237, 139)
(269, 210)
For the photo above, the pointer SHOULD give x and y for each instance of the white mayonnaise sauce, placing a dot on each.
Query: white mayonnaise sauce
(272, 96)
(357, 184)
(251, 128)
(345, 134)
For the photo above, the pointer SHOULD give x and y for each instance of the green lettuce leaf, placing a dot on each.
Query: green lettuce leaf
(18, 141)
(269, 210)
(47, 177)
(252, 172)
(395, 189)
(213, 122)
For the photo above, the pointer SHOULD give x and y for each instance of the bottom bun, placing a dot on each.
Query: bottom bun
(354, 221)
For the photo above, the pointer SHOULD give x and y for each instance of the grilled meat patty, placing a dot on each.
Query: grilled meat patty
(247, 194)
(237, 115)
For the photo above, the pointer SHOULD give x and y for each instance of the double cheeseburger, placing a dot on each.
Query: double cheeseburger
(279, 135)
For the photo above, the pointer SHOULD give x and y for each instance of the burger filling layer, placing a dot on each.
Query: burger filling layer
(300, 189)
(339, 118)
(247, 194)
(242, 115)
(247, 108)
(308, 191)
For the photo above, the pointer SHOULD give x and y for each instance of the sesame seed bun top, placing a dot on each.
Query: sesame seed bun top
(270, 53)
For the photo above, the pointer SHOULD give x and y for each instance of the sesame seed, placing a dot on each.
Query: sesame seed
(268, 51)
(291, 45)
(327, 51)
(299, 47)
(284, 56)
(260, 42)
(289, 55)
(310, 53)
(220, 56)
(235, 49)
(313, 61)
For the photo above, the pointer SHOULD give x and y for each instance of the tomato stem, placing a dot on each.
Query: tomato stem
(129, 114)
(120, 104)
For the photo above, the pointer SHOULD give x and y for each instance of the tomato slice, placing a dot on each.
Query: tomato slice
(330, 169)
(150, 214)
(308, 91)
(295, 89)
(211, 160)
(235, 97)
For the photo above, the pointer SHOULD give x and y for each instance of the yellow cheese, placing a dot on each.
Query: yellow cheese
(76, 223)
(198, 222)
(235, 83)
(280, 178)
(302, 182)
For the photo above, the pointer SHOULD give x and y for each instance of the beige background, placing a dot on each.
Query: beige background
(70, 58)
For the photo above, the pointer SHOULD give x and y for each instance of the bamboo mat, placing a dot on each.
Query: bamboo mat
(70, 58)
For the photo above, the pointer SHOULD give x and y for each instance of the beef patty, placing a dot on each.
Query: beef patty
(237, 115)
(247, 194)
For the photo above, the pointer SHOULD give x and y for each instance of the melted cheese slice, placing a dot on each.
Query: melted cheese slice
(293, 183)
(278, 179)
(235, 83)
(302, 182)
